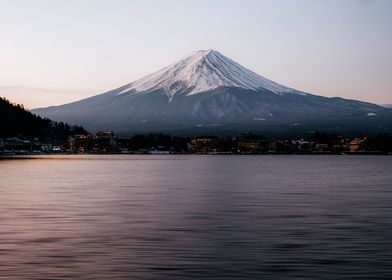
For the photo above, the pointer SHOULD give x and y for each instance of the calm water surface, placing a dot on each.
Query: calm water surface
(210, 217)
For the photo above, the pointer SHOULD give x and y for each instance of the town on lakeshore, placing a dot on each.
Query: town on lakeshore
(22, 132)
(108, 143)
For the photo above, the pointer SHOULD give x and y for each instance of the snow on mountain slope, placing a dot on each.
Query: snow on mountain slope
(202, 71)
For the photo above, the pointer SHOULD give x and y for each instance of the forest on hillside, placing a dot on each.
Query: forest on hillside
(16, 121)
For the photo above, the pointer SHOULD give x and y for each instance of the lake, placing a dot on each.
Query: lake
(186, 216)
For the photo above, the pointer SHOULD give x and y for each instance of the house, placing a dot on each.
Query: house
(357, 145)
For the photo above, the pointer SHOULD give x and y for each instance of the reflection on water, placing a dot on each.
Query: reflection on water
(132, 217)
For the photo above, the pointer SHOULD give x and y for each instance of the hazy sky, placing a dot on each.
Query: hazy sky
(56, 51)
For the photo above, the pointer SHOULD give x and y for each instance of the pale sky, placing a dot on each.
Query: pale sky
(58, 51)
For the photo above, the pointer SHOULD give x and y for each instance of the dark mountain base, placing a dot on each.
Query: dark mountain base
(224, 111)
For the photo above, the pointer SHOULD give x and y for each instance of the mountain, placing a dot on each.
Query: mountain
(208, 92)
(15, 121)
(387, 105)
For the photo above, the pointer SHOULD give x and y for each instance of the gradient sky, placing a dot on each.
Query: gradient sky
(57, 51)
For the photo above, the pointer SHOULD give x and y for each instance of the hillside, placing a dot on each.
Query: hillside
(16, 121)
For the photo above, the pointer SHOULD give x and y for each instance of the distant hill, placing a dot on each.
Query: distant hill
(15, 121)
(387, 105)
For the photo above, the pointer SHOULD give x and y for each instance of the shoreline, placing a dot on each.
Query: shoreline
(16, 154)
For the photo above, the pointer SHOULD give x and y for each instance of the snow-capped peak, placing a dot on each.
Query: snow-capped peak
(202, 71)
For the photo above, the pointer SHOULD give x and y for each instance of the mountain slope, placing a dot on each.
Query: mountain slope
(202, 71)
(208, 91)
